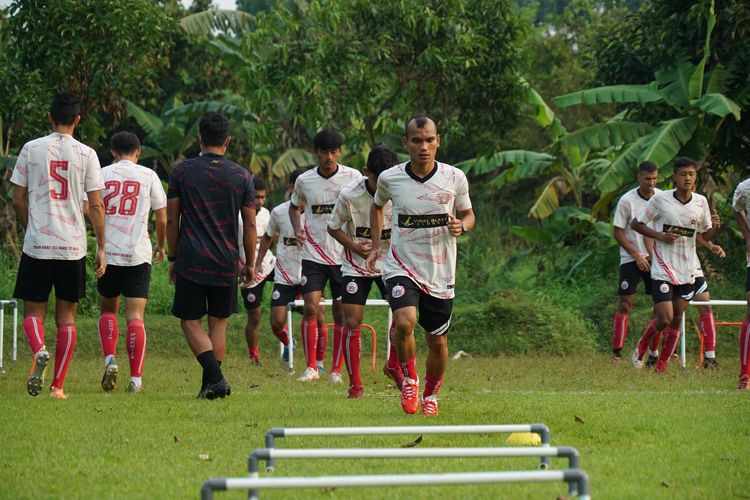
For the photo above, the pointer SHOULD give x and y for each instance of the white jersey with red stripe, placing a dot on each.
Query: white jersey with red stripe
(319, 194)
(131, 191)
(262, 218)
(422, 248)
(352, 214)
(288, 256)
(741, 204)
(57, 170)
(628, 207)
(676, 262)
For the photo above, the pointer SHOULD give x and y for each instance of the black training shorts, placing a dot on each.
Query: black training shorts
(193, 300)
(315, 276)
(629, 276)
(129, 281)
(434, 313)
(357, 289)
(36, 277)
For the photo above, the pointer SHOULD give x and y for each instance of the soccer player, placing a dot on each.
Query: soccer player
(634, 257)
(252, 292)
(741, 206)
(131, 192)
(318, 189)
(204, 197)
(350, 226)
(420, 267)
(49, 180)
(678, 217)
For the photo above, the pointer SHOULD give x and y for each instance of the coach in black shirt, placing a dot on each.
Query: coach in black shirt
(204, 196)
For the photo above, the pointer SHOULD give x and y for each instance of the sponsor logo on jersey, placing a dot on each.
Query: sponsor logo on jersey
(364, 232)
(678, 230)
(624, 285)
(276, 294)
(397, 291)
(422, 221)
(321, 209)
(290, 242)
(352, 287)
(664, 288)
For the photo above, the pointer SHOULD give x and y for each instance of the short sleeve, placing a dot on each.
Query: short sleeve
(341, 213)
(463, 202)
(739, 201)
(158, 196)
(20, 175)
(93, 180)
(174, 188)
(623, 214)
(298, 194)
(383, 193)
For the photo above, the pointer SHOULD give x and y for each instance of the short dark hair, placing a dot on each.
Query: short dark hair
(420, 120)
(214, 129)
(647, 166)
(64, 108)
(124, 142)
(381, 158)
(327, 139)
(684, 162)
(258, 183)
(294, 174)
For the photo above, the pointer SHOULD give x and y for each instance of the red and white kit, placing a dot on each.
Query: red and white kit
(422, 248)
(741, 203)
(319, 194)
(262, 218)
(57, 170)
(675, 262)
(352, 213)
(288, 256)
(628, 207)
(131, 191)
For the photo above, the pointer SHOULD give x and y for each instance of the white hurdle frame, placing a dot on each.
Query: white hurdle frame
(328, 302)
(14, 304)
(683, 357)
(575, 475)
(279, 432)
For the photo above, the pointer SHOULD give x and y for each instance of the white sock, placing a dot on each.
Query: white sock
(710, 354)
(136, 381)
(107, 358)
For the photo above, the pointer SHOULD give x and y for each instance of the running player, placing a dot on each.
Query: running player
(420, 267)
(679, 216)
(49, 180)
(318, 189)
(252, 293)
(350, 226)
(204, 197)
(634, 258)
(741, 206)
(132, 191)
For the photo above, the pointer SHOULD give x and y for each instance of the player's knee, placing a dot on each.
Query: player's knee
(405, 326)
(624, 307)
(310, 311)
(277, 325)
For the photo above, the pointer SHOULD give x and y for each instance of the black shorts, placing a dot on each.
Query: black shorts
(357, 289)
(434, 313)
(252, 297)
(284, 294)
(129, 281)
(193, 300)
(629, 276)
(37, 276)
(700, 286)
(664, 291)
(747, 280)
(315, 276)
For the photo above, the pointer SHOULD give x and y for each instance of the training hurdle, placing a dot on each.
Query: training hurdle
(253, 484)
(280, 432)
(328, 302)
(683, 357)
(14, 305)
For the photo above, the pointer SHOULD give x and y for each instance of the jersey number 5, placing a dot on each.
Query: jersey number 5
(128, 201)
(54, 166)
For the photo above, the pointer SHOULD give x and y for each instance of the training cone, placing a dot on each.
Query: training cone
(524, 439)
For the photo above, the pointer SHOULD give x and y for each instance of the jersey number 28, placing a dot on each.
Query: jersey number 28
(128, 201)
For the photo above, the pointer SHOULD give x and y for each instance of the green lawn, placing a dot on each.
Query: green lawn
(682, 435)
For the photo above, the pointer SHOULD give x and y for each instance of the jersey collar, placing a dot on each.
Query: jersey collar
(421, 179)
(674, 193)
(637, 190)
(317, 169)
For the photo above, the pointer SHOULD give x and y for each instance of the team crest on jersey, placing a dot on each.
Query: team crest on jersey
(443, 197)
(352, 287)
(397, 291)
(251, 297)
(303, 280)
(624, 285)
(664, 288)
(276, 294)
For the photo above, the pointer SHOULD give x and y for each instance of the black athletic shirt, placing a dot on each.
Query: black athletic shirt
(211, 189)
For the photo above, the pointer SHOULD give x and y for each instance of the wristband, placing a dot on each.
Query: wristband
(171, 259)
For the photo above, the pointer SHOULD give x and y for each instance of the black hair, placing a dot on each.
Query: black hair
(327, 139)
(294, 174)
(214, 129)
(683, 162)
(258, 183)
(381, 158)
(124, 142)
(420, 120)
(64, 108)
(648, 166)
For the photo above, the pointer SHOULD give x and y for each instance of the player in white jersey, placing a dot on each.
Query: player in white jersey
(420, 267)
(318, 189)
(350, 225)
(49, 179)
(741, 207)
(679, 216)
(635, 262)
(132, 191)
(252, 293)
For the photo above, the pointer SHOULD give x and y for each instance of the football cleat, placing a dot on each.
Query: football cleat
(35, 382)
(254, 361)
(56, 393)
(310, 375)
(133, 387)
(321, 369)
(217, 390)
(410, 395)
(430, 406)
(710, 364)
(616, 355)
(744, 383)
(335, 378)
(109, 379)
(651, 361)
(637, 362)
(394, 374)
(355, 392)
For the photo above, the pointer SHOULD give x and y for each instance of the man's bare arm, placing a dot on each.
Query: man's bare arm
(96, 216)
(161, 234)
(21, 204)
(249, 240)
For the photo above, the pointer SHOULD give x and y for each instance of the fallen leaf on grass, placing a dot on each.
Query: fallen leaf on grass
(461, 354)
(176, 439)
(327, 489)
(579, 420)
(253, 386)
(205, 457)
(413, 443)
(98, 410)
(255, 424)
(666, 484)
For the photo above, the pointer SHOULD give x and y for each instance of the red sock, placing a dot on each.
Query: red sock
(283, 336)
(64, 347)
(339, 337)
(33, 328)
(392, 356)
(654, 345)
(136, 346)
(431, 386)
(670, 337)
(108, 333)
(310, 340)
(320, 345)
(745, 348)
(410, 368)
(647, 337)
(352, 353)
(253, 353)
(619, 330)
(708, 330)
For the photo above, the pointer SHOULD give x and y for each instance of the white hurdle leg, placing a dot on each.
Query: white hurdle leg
(15, 330)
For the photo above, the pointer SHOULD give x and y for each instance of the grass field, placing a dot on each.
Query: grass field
(681, 435)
